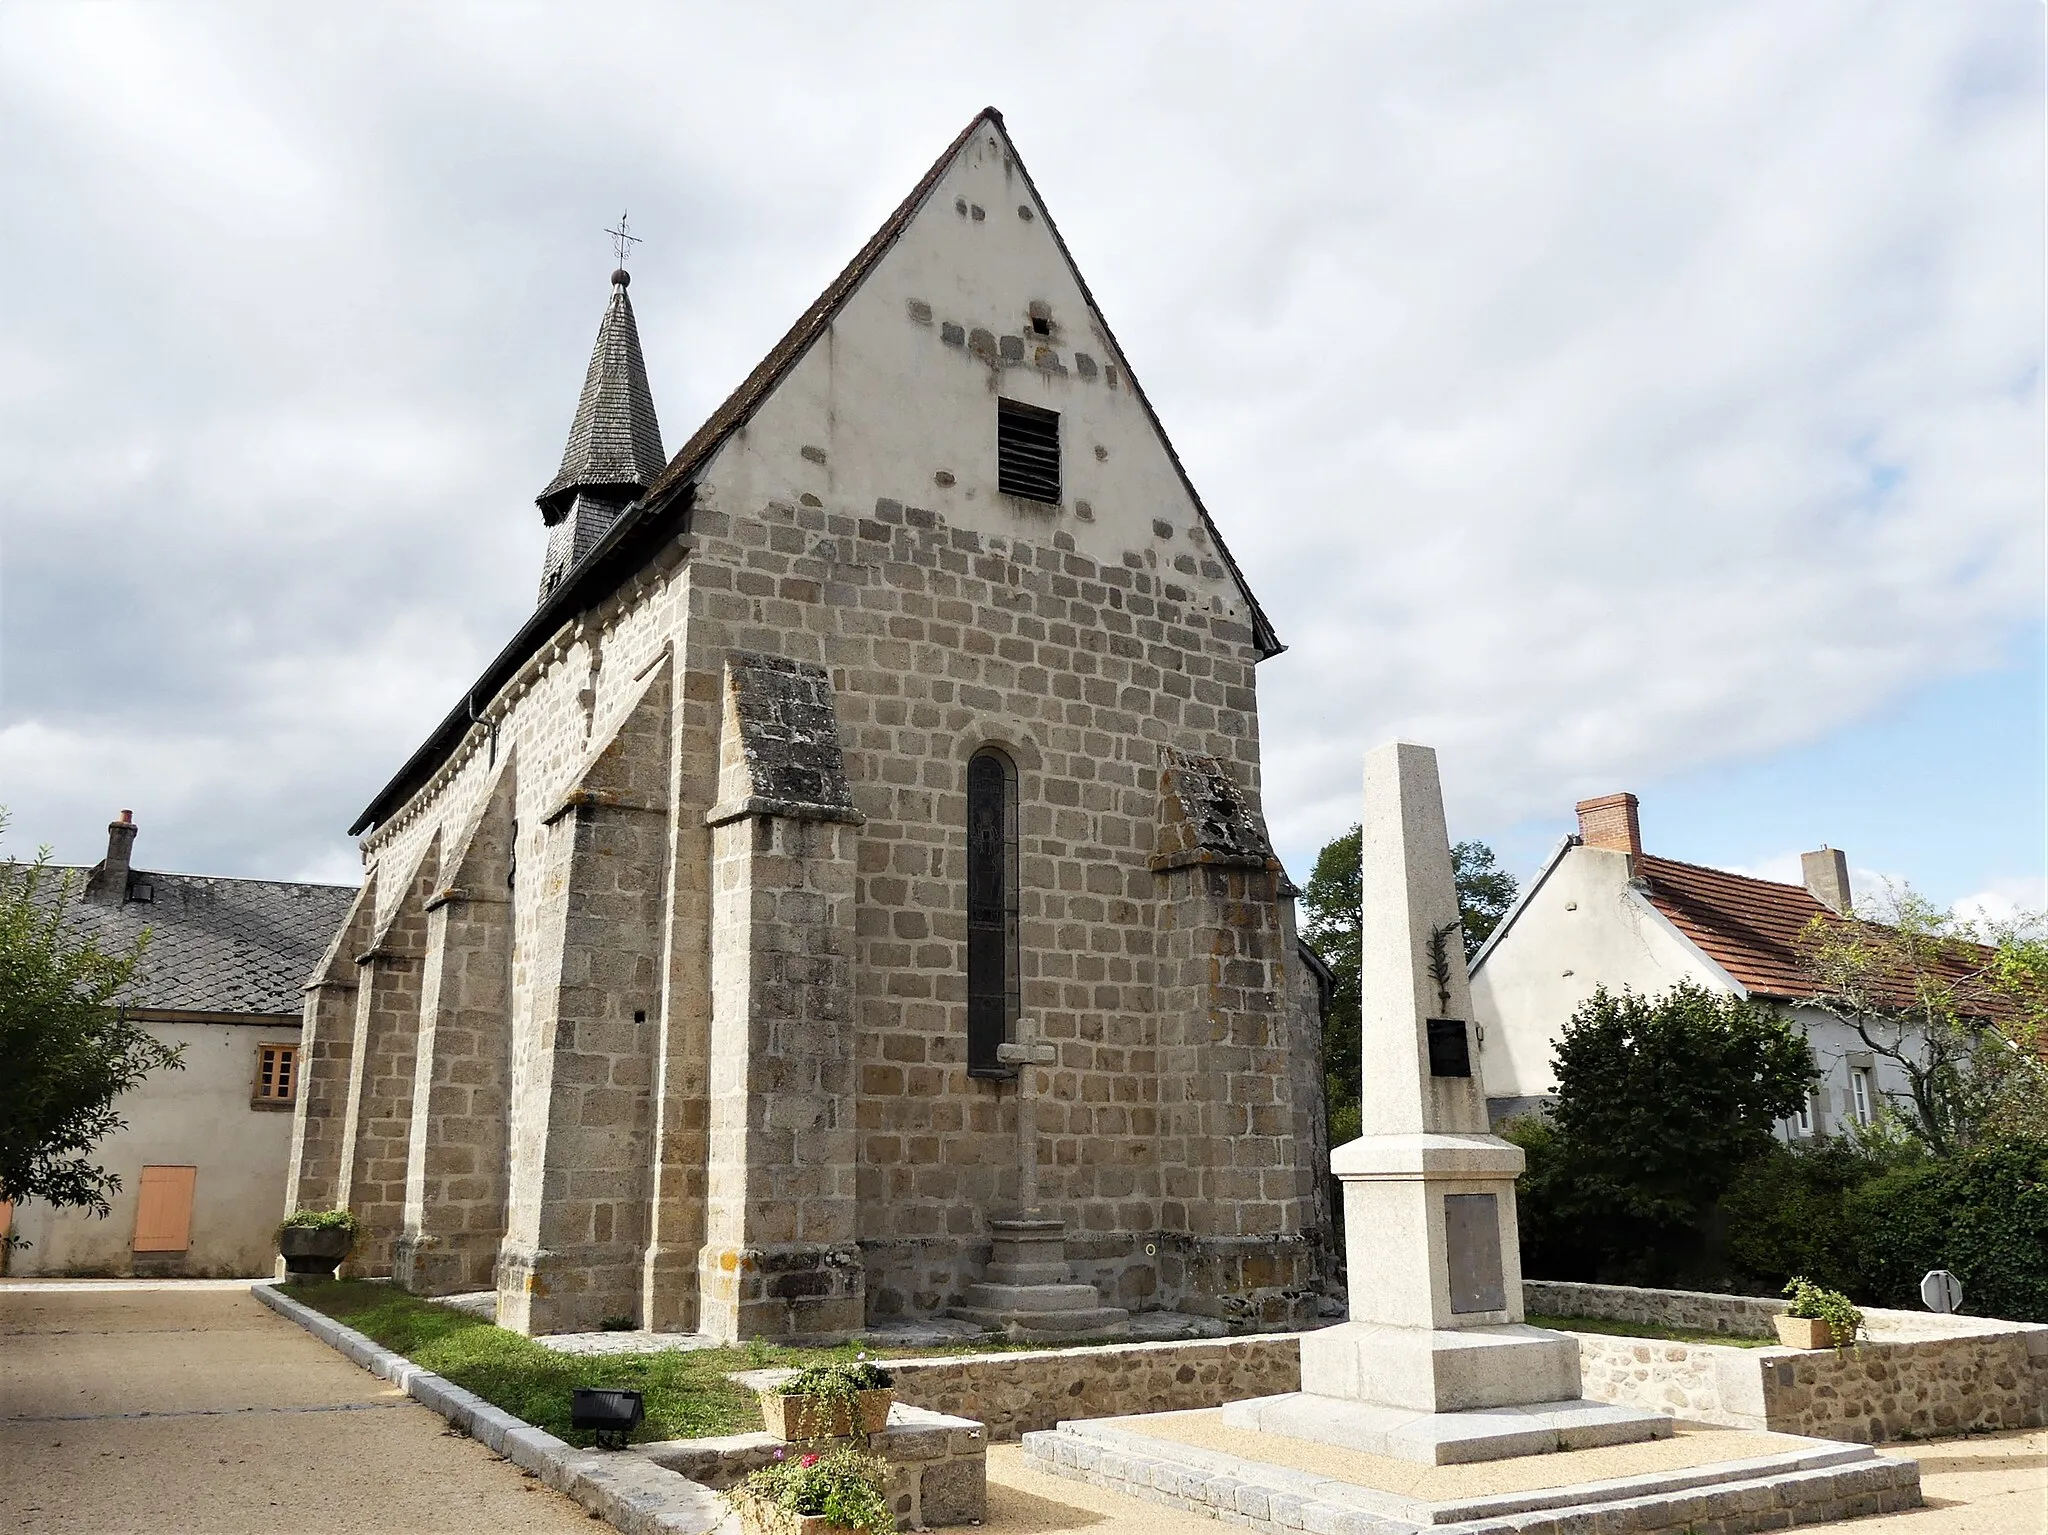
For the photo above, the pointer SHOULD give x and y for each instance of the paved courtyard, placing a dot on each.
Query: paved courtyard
(192, 1408)
(131, 1409)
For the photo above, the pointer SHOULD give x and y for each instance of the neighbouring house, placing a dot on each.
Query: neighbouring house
(913, 696)
(1603, 913)
(202, 1160)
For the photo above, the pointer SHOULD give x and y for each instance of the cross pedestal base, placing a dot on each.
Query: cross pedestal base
(1027, 1296)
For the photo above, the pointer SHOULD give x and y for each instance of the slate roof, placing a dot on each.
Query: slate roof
(642, 527)
(1750, 927)
(615, 441)
(215, 945)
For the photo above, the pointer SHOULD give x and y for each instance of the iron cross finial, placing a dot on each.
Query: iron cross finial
(622, 242)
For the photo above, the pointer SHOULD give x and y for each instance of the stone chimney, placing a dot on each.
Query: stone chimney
(108, 880)
(1610, 822)
(1826, 874)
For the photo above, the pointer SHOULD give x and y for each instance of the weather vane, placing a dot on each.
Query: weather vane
(622, 242)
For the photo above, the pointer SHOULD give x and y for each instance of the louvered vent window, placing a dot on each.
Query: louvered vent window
(1027, 451)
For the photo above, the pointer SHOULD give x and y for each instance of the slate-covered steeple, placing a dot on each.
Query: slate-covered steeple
(614, 450)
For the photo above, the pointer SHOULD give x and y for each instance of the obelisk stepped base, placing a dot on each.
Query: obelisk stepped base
(1447, 1438)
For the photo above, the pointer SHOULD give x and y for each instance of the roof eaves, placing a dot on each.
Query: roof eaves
(1528, 893)
(641, 527)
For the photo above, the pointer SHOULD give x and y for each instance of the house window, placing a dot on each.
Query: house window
(1802, 1122)
(992, 991)
(1027, 451)
(277, 1075)
(163, 1209)
(1861, 1096)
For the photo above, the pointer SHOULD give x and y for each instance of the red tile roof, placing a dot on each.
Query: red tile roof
(1751, 928)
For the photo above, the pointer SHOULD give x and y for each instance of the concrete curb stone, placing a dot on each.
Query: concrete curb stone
(630, 1493)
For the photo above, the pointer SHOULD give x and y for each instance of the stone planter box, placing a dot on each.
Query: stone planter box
(797, 1419)
(760, 1517)
(1803, 1332)
(312, 1250)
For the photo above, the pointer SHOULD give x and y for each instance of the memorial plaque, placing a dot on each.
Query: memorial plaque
(1450, 1055)
(1472, 1252)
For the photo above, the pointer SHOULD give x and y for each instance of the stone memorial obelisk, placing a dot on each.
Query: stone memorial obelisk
(1435, 1363)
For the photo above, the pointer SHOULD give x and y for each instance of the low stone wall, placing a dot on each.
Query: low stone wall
(1739, 1316)
(1916, 1374)
(1014, 1394)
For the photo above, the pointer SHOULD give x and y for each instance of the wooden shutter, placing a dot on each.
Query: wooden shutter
(163, 1209)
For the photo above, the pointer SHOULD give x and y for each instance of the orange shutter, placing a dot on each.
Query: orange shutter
(163, 1209)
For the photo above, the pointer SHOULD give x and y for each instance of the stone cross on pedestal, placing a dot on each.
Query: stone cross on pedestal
(1025, 1054)
(1026, 1292)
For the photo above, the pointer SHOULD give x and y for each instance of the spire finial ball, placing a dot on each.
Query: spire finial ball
(621, 278)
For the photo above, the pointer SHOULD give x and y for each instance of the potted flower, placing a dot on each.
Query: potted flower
(313, 1242)
(830, 1401)
(1818, 1317)
(838, 1492)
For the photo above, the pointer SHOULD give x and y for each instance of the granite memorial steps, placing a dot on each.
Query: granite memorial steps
(1813, 1482)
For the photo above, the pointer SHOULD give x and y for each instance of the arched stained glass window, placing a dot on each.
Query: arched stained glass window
(992, 991)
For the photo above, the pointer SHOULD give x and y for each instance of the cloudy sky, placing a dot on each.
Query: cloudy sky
(1611, 395)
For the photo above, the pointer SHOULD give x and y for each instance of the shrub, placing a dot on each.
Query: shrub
(837, 1382)
(1819, 1304)
(1982, 1215)
(322, 1220)
(843, 1485)
(1787, 1213)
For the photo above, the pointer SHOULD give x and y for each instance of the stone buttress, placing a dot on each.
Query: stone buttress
(1239, 1209)
(780, 1257)
(455, 1166)
(583, 1058)
(326, 1047)
(377, 1126)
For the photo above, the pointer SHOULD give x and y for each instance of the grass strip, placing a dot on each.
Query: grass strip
(1651, 1330)
(686, 1392)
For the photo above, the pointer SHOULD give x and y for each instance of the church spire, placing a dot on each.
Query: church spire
(614, 450)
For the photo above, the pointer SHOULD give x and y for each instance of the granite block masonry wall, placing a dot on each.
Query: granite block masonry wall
(937, 640)
(1917, 1375)
(1015, 1394)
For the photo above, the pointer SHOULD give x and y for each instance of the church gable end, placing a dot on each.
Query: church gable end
(907, 722)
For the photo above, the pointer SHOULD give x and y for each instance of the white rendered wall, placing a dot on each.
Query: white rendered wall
(1581, 929)
(199, 1117)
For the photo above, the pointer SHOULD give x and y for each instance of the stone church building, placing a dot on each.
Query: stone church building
(912, 696)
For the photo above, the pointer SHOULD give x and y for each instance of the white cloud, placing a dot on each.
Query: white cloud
(1592, 391)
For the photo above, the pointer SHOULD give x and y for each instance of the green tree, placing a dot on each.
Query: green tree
(69, 1049)
(1330, 911)
(1661, 1103)
(1962, 1011)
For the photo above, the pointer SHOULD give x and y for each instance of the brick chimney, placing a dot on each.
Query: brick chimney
(1610, 822)
(108, 881)
(1826, 874)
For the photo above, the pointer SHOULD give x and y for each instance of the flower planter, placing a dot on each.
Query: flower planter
(312, 1250)
(800, 1418)
(760, 1517)
(1804, 1332)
